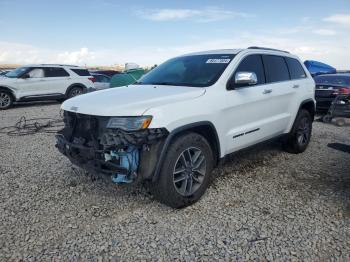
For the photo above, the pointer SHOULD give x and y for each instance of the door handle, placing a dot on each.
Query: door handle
(296, 86)
(267, 91)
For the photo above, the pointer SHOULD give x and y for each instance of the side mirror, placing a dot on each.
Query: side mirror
(246, 79)
(25, 76)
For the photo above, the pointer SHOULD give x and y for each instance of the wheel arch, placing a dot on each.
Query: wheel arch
(75, 85)
(310, 106)
(203, 128)
(4, 88)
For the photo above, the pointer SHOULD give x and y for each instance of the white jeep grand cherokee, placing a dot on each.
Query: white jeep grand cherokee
(177, 122)
(43, 82)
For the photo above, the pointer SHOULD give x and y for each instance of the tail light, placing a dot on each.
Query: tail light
(342, 91)
(92, 79)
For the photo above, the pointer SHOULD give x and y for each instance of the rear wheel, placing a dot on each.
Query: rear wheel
(299, 137)
(185, 172)
(6, 100)
(75, 91)
(327, 118)
(340, 122)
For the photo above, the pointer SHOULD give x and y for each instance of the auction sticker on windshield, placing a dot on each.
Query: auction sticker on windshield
(218, 61)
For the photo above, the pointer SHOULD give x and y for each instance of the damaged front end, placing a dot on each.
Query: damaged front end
(92, 143)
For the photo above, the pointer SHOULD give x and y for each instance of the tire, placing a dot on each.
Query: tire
(6, 100)
(299, 137)
(340, 122)
(75, 91)
(179, 186)
(327, 118)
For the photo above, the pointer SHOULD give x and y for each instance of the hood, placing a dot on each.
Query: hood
(4, 80)
(131, 100)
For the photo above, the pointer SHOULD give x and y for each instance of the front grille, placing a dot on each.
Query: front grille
(80, 127)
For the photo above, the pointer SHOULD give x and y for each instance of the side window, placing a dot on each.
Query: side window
(36, 73)
(97, 78)
(81, 72)
(295, 68)
(105, 79)
(55, 72)
(252, 63)
(276, 69)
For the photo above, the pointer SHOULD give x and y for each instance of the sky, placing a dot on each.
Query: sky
(106, 32)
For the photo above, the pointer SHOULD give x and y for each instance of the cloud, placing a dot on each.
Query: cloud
(306, 46)
(340, 19)
(76, 57)
(17, 53)
(325, 32)
(208, 14)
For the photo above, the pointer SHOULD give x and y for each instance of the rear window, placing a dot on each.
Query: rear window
(81, 72)
(295, 68)
(276, 69)
(55, 72)
(333, 80)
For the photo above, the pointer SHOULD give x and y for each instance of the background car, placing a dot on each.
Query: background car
(43, 82)
(101, 81)
(328, 87)
(4, 72)
(108, 73)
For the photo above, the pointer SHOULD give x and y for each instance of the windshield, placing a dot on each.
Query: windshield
(17, 72)
(195, 70)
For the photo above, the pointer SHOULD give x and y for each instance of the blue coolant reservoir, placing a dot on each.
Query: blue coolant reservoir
(129, 159)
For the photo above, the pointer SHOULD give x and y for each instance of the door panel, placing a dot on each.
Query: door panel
(259, 112)
(57, 79)
(34, 85)
(251, 116)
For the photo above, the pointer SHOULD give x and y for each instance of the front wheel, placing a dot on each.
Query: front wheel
(6, 100)
(299, 137)
(185, 172)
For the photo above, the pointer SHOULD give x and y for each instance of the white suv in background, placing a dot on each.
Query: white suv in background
(178, 121)
(43, 82)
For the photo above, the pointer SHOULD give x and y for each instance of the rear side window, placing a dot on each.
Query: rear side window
(276, 69)
(101, 78)
(253, 63)
(105, 79)
(295, 68)
(55, 72)
(81, 72)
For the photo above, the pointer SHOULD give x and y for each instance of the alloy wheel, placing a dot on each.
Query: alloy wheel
(303, 131)
(5, 100)
(76, 92)
(189, 171)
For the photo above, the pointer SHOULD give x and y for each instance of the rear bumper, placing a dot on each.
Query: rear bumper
(323, 103)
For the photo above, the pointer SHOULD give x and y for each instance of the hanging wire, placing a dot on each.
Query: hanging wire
(32, 126)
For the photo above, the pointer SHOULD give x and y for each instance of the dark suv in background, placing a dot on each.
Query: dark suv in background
(328, 87)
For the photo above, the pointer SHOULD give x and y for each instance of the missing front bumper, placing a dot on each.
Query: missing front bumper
(88, 144)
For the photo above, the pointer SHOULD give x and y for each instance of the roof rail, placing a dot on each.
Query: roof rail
(266, 48)
(59, 65)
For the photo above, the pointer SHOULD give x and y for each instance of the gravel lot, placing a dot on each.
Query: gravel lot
(264, 204)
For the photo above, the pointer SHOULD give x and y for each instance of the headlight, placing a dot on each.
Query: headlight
(130, 123)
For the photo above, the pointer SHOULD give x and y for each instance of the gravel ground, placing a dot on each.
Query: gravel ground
(263, 204)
